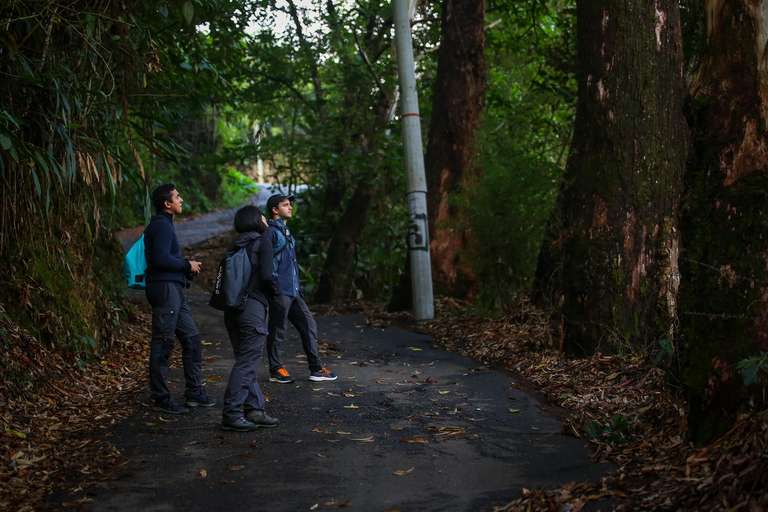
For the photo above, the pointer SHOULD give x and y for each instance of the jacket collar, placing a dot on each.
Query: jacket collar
(245, 238)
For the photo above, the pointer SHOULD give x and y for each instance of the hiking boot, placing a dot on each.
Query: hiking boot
(239, 425)
(281, 376)
(322, 374)
(261, 418)
(201, 400)
(169, 407)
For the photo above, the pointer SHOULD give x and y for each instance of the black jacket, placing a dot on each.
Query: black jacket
(263, 282)
(164, 262)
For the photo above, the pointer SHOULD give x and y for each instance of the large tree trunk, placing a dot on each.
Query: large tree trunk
(456, 112)
(338, 270)
(624, 176)
(724, 297)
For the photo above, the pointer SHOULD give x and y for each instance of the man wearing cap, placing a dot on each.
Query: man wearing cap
(289, 304)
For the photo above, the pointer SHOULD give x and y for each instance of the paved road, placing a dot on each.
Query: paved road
(405, 427)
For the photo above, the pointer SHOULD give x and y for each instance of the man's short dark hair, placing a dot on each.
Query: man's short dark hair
(162, 194)
(248, 218)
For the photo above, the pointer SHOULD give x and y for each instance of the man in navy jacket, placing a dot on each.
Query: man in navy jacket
(167, 275)
(289, 304)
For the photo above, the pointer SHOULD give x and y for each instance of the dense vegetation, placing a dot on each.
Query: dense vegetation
(101, 104)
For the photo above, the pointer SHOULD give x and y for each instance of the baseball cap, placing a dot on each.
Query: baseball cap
(275, 200)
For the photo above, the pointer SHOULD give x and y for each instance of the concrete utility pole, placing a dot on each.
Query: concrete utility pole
(418, 233)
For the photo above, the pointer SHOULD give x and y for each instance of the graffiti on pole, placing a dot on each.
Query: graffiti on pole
(417, 232)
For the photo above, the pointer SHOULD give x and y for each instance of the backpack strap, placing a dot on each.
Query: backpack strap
(249, 250)
(283, 240)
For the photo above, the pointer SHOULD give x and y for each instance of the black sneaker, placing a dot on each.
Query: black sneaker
(201, 400)
(239, 425)
(261, 419)
(169, 407)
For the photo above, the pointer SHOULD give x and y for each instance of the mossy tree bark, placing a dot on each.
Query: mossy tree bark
(724, 297)
(456, 112)
(618, 242)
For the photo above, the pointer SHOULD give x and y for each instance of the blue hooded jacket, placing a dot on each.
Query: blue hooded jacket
(286, 267)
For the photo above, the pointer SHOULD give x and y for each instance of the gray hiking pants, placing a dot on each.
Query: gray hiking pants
(281, 310)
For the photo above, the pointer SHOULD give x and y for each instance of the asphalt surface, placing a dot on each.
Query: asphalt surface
(405, 427)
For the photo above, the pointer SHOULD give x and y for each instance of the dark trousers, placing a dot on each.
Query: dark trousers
(172, 318)
(247, 333)
(285, 308)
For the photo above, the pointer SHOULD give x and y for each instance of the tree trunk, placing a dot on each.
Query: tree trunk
(339, 267)
(619, 242)
(456, 113)
(724, 297)
(338, 270)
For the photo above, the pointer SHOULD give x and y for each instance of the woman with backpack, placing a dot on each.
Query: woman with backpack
(247, 327)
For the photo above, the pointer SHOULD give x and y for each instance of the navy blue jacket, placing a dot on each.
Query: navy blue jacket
(286, 266)
(164, 262)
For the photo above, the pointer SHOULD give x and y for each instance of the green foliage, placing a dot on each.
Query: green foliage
(751, 366)
(74, 128)
(523, 144)
(667, 349)
(613, 432)
(236, 188)
(382, 247)
(507, 210)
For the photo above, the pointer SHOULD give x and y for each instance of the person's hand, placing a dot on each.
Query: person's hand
(194, 267)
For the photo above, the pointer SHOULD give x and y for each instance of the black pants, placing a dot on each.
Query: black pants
(172, 318)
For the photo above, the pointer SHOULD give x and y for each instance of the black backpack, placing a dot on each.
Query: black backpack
(233, 281)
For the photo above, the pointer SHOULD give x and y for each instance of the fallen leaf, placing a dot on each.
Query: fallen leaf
(404, 472)
(366, 439)
(415, 440)
(443, 392)
(213, 378)
(514, 410)
(203, 473)
(351, 406)
(15, 433)
(237, 467)
(76, 502)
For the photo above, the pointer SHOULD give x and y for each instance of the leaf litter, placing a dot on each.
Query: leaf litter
(55, 423)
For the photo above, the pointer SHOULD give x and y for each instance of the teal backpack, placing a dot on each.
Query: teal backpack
(135, 266)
